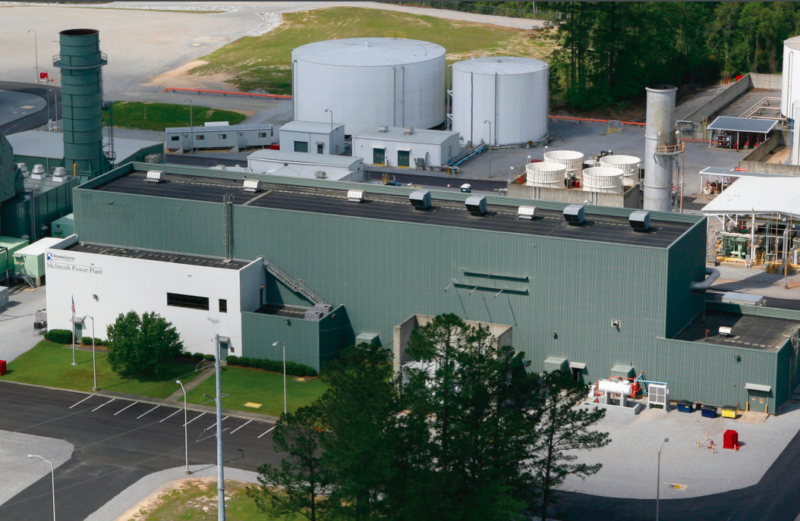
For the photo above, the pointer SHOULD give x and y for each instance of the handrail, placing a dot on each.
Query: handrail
(227, 92)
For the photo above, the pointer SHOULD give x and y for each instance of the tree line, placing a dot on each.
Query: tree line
(609, 51)
(465, 433)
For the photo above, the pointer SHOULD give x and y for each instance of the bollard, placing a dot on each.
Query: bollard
(706, 436)
(698, 444)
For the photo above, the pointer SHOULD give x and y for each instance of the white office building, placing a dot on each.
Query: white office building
(405, 147)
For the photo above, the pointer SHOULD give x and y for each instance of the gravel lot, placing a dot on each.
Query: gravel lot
(14, 448)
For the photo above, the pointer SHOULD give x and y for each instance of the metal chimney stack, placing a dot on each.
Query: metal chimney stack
(659, 132)
(80, 62)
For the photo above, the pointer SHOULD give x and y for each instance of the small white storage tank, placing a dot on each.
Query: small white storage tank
(603, 179)
(630, 166)
(607, 386)
(368, 82)
(790, 80)
(511, 93)
(547, 175)
(571, 159)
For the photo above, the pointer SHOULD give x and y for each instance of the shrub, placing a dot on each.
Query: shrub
(232, 360)
(60, 336)
(244, 361)
(208, 358)
(199, 356)
(310, 371)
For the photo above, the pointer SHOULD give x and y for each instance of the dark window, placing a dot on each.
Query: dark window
(223, 305)
(301, 146)
(175, 138)
(231, 350)
(201, 137)
(223, 136)
(262, 134)
(187, 301)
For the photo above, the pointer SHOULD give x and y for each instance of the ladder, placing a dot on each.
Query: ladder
(296, 285)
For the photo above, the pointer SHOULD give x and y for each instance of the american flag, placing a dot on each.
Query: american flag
(73, 306)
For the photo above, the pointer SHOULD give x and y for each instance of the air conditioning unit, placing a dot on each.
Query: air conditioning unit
(526, 212)
(252, 185)
(725, 331)
(640, 221)
(383, 129)
(154, 176)
(38, 172)
(574, 214)
(408, 131)
(319, 174)
(355, 196)
(421, 199)
(476, 204)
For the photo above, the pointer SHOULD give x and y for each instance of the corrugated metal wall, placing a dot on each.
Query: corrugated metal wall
(52, 204)
(686, 265)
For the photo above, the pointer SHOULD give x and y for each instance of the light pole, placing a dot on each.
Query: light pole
(285, 409)
(36, 51)
(185, 426)
(191, 123)
(490, 146)
(94, 358)
(329, 110)
(75, 321)
(220, 456)
(53, 478)
(658, 479)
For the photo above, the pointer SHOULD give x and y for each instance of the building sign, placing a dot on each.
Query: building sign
(60, 261)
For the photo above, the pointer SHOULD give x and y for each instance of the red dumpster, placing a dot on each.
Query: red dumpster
(730, 440)
(3, 368)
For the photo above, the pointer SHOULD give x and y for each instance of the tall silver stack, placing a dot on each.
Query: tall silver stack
(659, 133)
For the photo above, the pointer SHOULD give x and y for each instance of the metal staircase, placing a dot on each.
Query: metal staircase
(296, 285)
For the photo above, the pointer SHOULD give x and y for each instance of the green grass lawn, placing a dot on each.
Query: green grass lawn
(50, 364)
(264, 62)
(244, 385)
(158, 116)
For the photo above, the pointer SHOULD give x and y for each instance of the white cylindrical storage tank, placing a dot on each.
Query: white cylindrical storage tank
(790, 79)
(510, 93)
(547, 175)
(603, 179)
(368, 82)
(630, 166)
(571, 159)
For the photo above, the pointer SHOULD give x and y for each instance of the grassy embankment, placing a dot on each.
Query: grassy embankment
(158, 116)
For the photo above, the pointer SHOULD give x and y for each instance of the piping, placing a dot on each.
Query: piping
(713, 275)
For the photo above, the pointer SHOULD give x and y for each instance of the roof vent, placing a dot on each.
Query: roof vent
(252, 185)
(526, 212)
(383, 128)
(38, 172)
(59, 174)
(154, 176)
(24, 169)
(574, 214)
(421, 199)
(725, 331)
(476, 204)
(640, 221)
(355, 196)
(319, 174)
(408, 130)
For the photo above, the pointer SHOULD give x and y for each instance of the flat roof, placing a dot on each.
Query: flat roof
(38, 247)
(757, 126)
(435, 137)
(313, 127)
(282, 156)
(153, 255)
(305, 172)
(216, 128)
(719, 171)
(758, 195)
(747, 331)
(381, 206)
(51, 144)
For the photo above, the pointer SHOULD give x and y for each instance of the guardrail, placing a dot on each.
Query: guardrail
(228, 93)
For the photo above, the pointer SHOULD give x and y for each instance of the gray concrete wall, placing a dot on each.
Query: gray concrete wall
(719, 102)
(766, 81)
(630, 199)
(777, 139)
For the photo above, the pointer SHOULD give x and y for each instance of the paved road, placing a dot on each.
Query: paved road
(114, 448)
(37, 119)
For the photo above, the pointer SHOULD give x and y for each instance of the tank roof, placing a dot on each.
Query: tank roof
(368, 52)
(793, 43)
(502, 65)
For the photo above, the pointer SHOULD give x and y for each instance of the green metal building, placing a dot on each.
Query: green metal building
(600, 297)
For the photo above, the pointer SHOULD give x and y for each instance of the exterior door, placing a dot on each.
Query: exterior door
(378, 156)
(241, 142)
(301, 146)
(223, 350)
(758, 400)
(403, 158)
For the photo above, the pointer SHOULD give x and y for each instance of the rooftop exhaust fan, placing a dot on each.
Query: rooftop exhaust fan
(526, 212)
(154, 176)
(355, 196)
(476, 204)
(59, 174)
(383, 129)
(252, 185)
(420, 200)
(319, 174)
(24, 169)
(725, 331)
(574, 214)
(408, 130)
(640, 221)
(38, 172)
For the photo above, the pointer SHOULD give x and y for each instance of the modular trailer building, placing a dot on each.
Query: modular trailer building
(600, 296)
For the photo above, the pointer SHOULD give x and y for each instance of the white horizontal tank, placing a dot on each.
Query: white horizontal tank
(630, 166)
(548, 175)
(607, 386)
(510, 93)
(790, 80)
(602, 179)
(571, 159)
(370, 81)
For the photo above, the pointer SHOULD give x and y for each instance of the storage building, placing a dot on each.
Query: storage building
(300, 164)
(219, 137)
(405, 147)
(314, 138)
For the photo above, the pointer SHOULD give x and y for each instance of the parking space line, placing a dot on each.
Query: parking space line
(215, 423)
(80, 402)
(272, 429)
(151, 410)
(193, 419)
(111, 400)
(126, 408)
(170, 416)
(240, 426)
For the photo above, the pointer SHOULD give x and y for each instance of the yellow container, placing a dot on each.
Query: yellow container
(728, 413)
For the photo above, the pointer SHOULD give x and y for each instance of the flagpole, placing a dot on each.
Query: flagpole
(73, 332)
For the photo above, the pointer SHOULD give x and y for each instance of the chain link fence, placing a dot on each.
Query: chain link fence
(492, 10)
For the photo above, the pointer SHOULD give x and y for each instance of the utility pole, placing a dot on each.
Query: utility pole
(220, 456)
(36, 51)
(191, 124)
